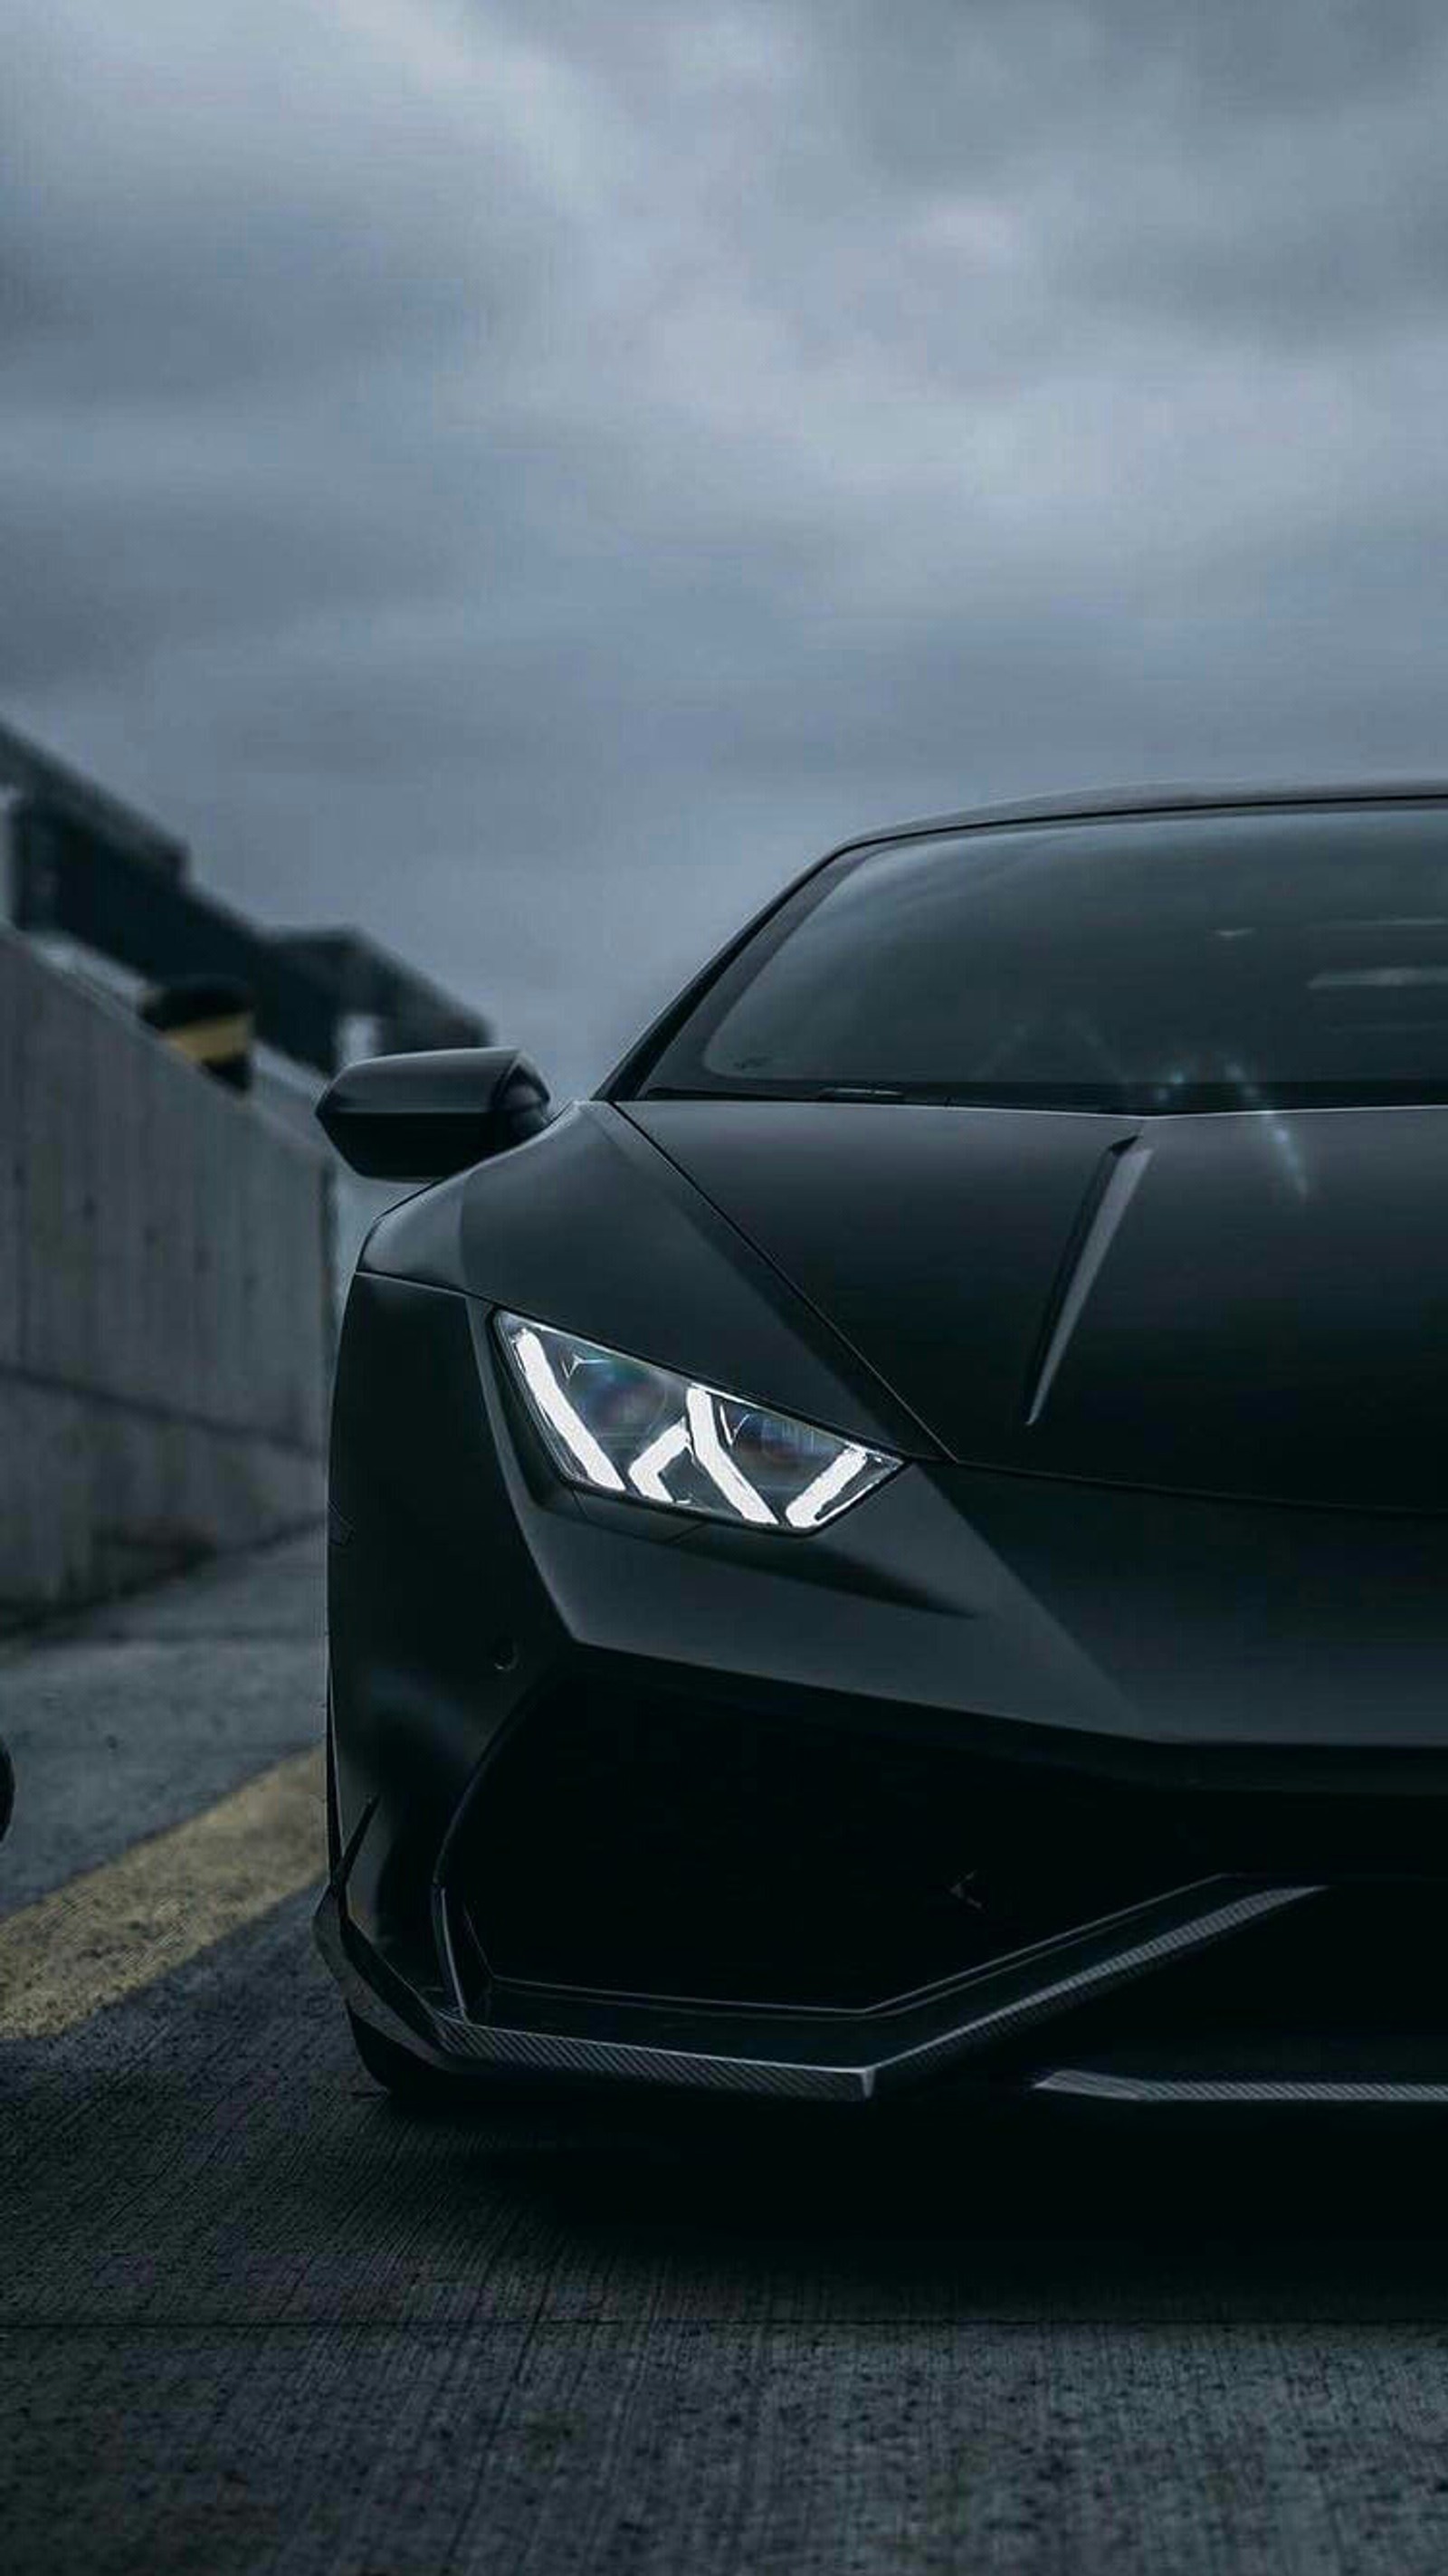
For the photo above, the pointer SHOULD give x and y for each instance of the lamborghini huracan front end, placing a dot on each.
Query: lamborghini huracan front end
(905, 1540)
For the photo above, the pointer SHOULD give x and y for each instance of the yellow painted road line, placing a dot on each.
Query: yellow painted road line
(104, 1935)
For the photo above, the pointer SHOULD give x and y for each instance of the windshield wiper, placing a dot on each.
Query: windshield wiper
(790, 1091)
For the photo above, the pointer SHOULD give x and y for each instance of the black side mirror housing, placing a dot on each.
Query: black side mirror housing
(420, 1117)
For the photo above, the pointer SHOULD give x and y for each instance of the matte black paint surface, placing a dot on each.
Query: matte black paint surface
(1214, 1565)
(590, 1228)
(396, 1117)
(426, 1572)
(1271, 1318)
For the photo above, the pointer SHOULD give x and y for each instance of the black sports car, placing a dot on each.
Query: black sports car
(905, 1540)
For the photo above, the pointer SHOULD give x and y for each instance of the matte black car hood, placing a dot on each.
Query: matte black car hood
(1252, 1304)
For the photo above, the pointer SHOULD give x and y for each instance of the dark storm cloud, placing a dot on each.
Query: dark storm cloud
(524, 474)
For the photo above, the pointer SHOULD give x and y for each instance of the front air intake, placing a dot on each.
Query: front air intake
(650, 1843)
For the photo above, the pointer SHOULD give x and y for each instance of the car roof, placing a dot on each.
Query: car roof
(1104, 805)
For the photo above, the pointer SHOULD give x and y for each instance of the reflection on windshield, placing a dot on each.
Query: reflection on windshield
(1235, 959)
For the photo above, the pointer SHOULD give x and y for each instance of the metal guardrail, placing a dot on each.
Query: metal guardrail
(87, 867)
(52, 784)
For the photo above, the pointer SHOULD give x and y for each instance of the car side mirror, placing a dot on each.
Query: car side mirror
(419, 1117)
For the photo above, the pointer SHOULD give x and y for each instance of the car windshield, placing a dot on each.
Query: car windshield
(1228, 959)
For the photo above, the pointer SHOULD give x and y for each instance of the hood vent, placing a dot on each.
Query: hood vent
(1121, 1168)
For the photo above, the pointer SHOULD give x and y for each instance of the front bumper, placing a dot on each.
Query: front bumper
(617, 1797)
(847, 2057)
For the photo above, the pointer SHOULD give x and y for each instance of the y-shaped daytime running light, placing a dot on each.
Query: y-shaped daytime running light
(621, 1426)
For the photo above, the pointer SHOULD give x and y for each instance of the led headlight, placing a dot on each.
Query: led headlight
(624, 1427)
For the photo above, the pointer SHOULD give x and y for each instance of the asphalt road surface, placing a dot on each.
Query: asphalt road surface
(251, 2317)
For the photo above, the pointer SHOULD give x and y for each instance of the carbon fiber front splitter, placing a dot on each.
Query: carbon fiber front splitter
(836, 2056)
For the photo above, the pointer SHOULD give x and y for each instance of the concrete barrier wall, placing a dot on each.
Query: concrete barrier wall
(165, 1303)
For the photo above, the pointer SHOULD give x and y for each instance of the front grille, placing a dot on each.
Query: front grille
(653, 1843)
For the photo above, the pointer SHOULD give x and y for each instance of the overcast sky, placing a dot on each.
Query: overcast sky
(524, 475)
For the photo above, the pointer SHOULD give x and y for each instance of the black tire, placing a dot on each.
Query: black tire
(409, 2080)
